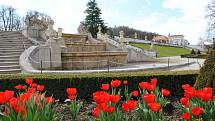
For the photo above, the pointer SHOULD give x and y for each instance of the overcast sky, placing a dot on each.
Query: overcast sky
(185, 17)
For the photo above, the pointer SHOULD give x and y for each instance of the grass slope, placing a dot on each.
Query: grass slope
(163, 51)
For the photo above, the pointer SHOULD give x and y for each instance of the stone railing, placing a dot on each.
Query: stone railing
(135, 54)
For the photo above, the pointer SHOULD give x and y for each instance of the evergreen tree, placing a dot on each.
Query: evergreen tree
(93, 19)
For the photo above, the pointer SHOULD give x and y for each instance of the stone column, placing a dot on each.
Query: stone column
(55, 47)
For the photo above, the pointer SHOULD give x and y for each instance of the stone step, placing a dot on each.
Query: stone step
(9, 71)
(9, 59)
(8, 63)
(13, 39)
(9, 32)
(10, 53)
(12, 36)
(26, 42)
(9, 67)
(14, 45)
(11, 50)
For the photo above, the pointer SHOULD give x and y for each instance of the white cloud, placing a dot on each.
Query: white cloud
(147, 23)
(148, 2)
(109, 14)
(66, 13)
(192, 23)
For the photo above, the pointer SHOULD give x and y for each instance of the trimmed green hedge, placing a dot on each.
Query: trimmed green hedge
(202, 56)
(86, 84)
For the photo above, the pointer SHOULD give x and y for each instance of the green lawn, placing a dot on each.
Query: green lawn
(163, 51)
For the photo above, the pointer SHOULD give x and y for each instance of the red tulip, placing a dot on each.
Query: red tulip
(125, 107)
(189, 93)
(32, 90)
(155, 107)
(102, 106)
(71, 97)
(21, 109)
(184, 100)
(143, 85)
(132, 104)
(110, 109)
(101, 97)
(125, 82)
(187, 87)
(40, 87)
(24, 87)
(3, 98)
(150, 87)
(186, 116)
(13, 102)
(196, 111)
(115, 83)
(165, 92)
(49, 100)
(207, 90)
(9, 94)
(29, 80)
(71, 91)
(96, 112)
(154, 81)
(114, 98)
(33, 85)
(135, 93)
(148, 98)
(18, 87)
(105, 87)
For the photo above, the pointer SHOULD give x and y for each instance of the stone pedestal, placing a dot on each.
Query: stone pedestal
(55, 53)
(44, 57)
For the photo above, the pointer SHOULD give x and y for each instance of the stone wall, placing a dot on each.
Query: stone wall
(85, 47)
(89, 60)
(70, 38)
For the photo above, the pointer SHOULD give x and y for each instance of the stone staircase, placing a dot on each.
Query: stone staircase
(12, 44)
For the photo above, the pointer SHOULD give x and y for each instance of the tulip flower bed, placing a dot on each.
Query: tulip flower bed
(112, 102)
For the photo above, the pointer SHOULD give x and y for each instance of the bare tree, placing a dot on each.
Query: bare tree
(41, 16)
(211, 15)
(9, 20)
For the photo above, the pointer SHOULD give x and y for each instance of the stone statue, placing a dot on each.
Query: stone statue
(50, 32)
(146, 37)
(81, 29)
(100, 29)
(135, 35)
(34, 22)
(59, 32)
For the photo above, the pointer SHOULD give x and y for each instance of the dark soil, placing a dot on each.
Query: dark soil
(171, 112)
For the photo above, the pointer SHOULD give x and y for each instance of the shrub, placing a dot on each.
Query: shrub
(193, 52)
(86, 84)
(206, 77)
(198, 52)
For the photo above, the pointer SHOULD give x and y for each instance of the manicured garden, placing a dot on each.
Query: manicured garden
(112, 100)
(163, 51)
(125, 96)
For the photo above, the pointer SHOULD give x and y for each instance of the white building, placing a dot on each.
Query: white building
(178, 40)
